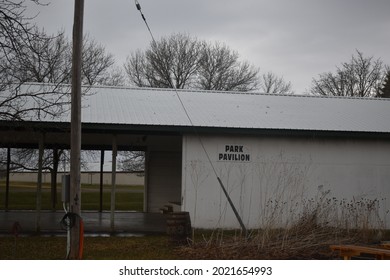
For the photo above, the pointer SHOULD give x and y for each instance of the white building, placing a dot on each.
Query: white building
(277, 156)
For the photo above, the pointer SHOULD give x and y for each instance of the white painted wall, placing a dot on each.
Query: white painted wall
(282, 176)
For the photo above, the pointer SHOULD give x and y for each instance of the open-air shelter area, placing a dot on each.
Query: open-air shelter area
(55, 135)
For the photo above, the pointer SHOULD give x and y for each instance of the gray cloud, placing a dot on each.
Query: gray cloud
(295, 38)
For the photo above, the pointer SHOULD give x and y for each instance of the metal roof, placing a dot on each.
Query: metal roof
(211, 109)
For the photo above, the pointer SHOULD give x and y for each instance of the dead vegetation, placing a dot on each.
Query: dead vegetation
(323, 222)
(302, 243)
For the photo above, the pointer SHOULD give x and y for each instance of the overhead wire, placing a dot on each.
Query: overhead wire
(138, 6)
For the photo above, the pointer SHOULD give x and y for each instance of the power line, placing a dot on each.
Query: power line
(137, 4)
(244, 231)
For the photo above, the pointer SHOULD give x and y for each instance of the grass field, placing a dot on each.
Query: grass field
(23, 197)
(95, 248)
(209, 245)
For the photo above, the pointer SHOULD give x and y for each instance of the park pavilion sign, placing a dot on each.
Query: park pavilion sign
(236, 153)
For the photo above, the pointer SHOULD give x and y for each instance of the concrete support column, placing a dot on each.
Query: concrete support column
(113, 182)
(101, 181)
(39, 183)
(7, 182)
(146, 182)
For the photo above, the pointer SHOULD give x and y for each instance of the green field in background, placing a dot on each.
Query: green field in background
(22, 196)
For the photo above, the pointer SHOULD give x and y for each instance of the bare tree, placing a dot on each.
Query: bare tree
(169, 63)
(45, 62)
(132, 161)
(26, 159)
(27, 55)
(20, 44)
(360, 77)
(135, 67)
(385, 90)
(181, 61)
(271, 83)
(220, 69)
(49, 61)
(16, 33)
(96, 63)
(114, 76)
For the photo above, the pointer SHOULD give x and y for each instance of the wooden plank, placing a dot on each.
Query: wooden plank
(385, 244)
(348, 251)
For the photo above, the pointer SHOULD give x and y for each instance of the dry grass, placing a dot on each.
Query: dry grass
(305, 243)
(309, 237)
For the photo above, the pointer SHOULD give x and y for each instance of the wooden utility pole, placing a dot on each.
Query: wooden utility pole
(75, 141)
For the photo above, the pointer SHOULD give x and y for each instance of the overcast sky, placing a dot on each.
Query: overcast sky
(296, 39)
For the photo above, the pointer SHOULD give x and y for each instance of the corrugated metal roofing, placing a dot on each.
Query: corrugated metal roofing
(162, 107)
